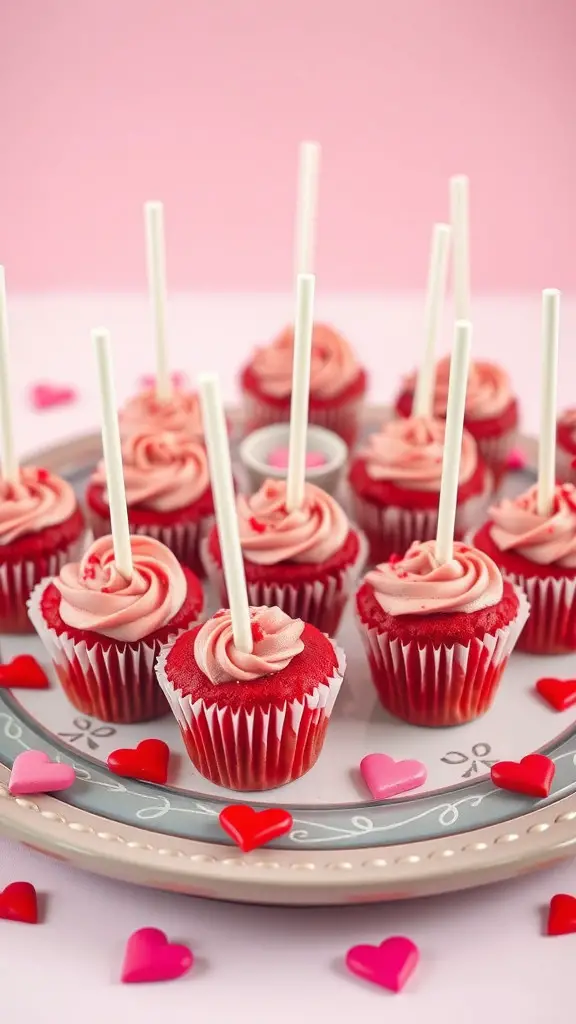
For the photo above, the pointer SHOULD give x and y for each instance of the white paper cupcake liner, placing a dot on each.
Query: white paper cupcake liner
(257, 749)
(18, 579)
(342, 419)
(495, 450)
(551, 626)
(183, 539)
(444, 685)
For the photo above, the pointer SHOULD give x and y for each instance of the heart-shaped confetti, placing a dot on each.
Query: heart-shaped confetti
(532, 776)
(18, 902)
(34, 772)
(516, 460)
(23, 672)
(562, 915)
(147, 762)
(389, 965)
(45, 396)
(558, 693)
(250, 829)
(386, 777)
(150, 957)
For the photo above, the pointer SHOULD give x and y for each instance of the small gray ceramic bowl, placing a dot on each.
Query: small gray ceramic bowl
(256, 449)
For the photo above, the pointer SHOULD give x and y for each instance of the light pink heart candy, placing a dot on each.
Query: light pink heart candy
(390, 964)
(386, 777)
(44, 396)
(150, 957)
(34, 772)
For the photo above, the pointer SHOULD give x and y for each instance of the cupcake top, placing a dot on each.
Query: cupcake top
(409, 452)
(146, 413)
(276, 639)
(270, 534)
(333, 364)
(417, 584)
(488, 394)
(94, 596)
(38, 500)
(517, 526)
(162, 471)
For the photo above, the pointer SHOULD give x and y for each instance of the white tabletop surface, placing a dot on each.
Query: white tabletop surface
(484, 959)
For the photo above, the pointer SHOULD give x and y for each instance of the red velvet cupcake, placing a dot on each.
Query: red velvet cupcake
(103, 633)
(167, 493)
(538, 553)
(145, 413)
(438, 637)
(41, 528)
(306, 562)
(566, 448)
(252, 721)
(395, 482)
(337, 384)
(491, 409)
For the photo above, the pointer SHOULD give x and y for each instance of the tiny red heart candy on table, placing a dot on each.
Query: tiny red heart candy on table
(24, 673)
(389, 965)
(44, 396)
(559, 693)
(150, 957)
(18, 902)
(562, 915)
(250, 829)
(34, 772)
(147, 762)
(531, 776)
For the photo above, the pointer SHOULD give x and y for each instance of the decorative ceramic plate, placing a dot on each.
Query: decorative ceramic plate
(457, 830)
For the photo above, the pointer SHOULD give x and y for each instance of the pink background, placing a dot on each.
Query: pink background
(202, 103)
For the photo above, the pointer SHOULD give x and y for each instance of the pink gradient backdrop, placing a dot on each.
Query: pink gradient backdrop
(202, 103)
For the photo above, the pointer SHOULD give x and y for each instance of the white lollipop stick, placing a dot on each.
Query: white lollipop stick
(303, 326)
(225, 504)
(460, 217)
(9, 465)
(423, 404)
(113, 456)
(156, 262)
(549, 371)
(307, 208)
(459, 362)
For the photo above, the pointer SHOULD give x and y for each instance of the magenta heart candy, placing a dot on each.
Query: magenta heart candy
(34, 772)
(44, 396)
(390, 964)
(386, 777)
(150, 957)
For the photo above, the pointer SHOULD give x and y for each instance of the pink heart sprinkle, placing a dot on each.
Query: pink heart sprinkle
(148, 380)
(279, 459)
(386, 777)
(150, 957)
(34, 772)
(44, 396)
(516, 460)
(390, 964)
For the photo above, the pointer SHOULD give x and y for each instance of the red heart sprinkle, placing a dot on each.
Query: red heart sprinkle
(531, 776)
(23, 673)
(250, 829)
(147, 762)
(150, 957)
(559, 693)
(18, 902)
(44, 396)
(562, 915)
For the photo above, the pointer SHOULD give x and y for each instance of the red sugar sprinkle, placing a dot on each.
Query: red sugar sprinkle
(394, 558)
(402, 574)
(89, 573)
(257, 632)
(257, 526)
(43, 475)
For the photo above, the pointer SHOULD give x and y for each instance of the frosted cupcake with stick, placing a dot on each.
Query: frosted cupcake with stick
(300, 550)
(533, 537)
(104, 619)
(254, 687)
(41, 525)
(164, 407)
(395, 477)
(337, 381)
(439, 622)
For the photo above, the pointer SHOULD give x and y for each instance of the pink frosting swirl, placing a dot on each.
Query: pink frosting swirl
(546, 540)
(270, 534)
(276, 641)
(333, 366)
(489, 391)
(409, 452)
(146, 414)
(96, 597)
(38, 500)
(418, 584)
(161, 471)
